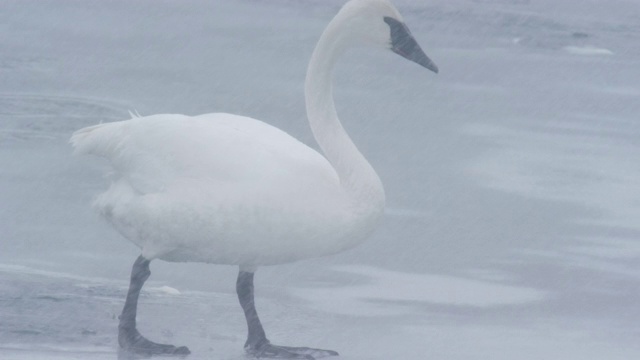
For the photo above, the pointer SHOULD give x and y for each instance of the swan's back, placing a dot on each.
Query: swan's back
(154, 152)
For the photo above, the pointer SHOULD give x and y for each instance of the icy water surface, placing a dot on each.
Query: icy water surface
(511, 178)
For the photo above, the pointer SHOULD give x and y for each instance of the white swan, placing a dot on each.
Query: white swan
(227, 189)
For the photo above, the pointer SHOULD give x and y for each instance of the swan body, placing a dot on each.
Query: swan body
(223, 189)
(228, 189)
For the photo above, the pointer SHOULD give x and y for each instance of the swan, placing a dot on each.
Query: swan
(227, 189)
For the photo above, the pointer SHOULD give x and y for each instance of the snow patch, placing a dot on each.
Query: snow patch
(165, 290)
(393, 293)
(54, 352)
(587, 50)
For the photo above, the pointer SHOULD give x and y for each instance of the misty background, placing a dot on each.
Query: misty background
(511, 178)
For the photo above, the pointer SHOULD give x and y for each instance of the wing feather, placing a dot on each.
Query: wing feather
(153, 152)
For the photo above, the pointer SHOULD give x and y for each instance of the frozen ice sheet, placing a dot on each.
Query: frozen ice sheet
(511, 178)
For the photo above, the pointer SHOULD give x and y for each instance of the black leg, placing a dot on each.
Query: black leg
(257, 343)
(128, 336)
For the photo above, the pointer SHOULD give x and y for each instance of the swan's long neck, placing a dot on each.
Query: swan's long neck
(357, 176)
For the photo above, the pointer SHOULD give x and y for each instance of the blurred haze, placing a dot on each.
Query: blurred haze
(511, 178)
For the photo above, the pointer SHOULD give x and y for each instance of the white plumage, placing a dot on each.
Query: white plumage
(228, 189)
(221, 188)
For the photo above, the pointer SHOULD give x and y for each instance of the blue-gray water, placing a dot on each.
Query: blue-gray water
(511, 178)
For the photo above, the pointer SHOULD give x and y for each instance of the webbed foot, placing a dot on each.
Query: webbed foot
(265, 349)
(131, 340)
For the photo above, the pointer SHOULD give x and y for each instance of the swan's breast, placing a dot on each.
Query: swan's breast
(228, 225)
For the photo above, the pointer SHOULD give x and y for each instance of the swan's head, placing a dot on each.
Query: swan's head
(379, 22)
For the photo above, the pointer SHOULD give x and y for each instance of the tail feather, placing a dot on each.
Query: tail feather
(97, 140)
(134, 114)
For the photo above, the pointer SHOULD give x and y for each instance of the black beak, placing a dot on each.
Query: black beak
(403, 44)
